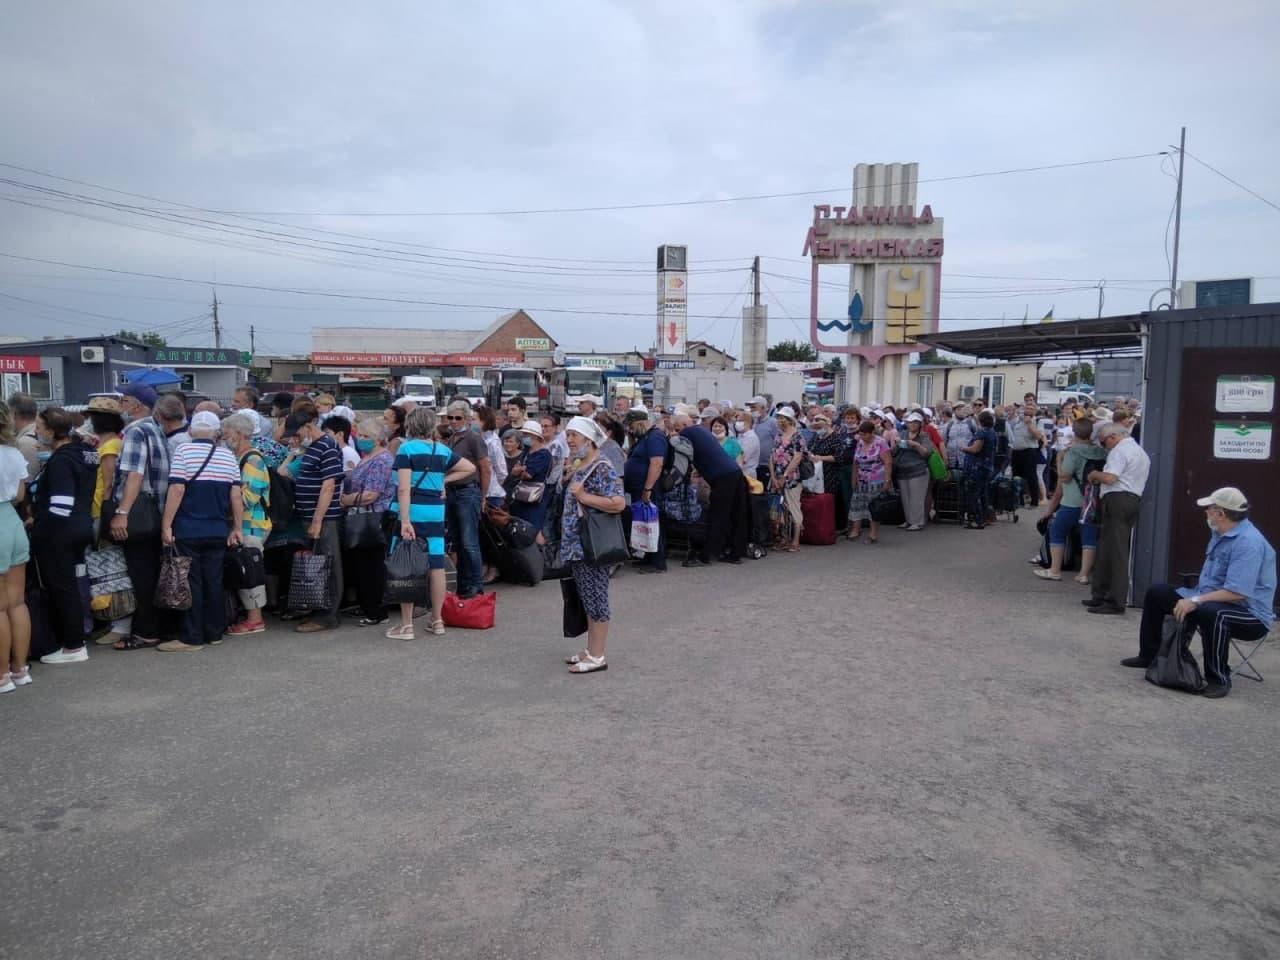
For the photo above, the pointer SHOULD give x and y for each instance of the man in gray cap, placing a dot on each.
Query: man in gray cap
(766, 430)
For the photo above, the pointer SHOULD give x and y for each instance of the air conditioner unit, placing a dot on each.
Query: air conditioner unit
(1062, 380)
(92, 355)
(968, 393)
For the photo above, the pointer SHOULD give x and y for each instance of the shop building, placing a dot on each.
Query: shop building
(212, 371)
(65, 371)
(996, 383)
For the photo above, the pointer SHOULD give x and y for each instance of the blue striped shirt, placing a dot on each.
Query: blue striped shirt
(428, 461)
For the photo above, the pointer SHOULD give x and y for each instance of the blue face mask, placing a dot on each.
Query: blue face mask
(365, 445)
(43, 455)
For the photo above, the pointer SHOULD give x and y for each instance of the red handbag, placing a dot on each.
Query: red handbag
(477, 613)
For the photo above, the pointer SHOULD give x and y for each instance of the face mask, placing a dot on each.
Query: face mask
(719, 434)
(365, 445)
(304, 444)
(823, 431)
(43, 455)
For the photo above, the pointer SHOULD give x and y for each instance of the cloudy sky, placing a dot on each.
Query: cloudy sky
(379, 150)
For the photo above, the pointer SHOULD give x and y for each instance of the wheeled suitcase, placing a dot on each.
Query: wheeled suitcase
(948, 502)
(1003, 497)
(760, 534)
(1070, 551)
(819, 513)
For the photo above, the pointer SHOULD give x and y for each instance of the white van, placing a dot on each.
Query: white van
(468, 387)
(421, 390)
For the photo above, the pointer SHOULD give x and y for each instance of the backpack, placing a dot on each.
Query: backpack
(679, 461)
(279, 495)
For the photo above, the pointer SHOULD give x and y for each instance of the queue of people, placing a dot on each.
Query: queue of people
(142, 481)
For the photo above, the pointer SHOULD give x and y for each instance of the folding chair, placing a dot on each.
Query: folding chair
(1245, 649)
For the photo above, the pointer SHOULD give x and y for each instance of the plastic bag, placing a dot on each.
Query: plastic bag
(408, 564)
(644, 528)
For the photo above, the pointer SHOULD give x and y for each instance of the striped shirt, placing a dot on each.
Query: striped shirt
(321, 462)
(205, 512)
(428, 461)
(255, 488)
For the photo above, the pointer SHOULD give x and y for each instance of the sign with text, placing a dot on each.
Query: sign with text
(207, 356)
(673, 364)
(1242, 441)
(19, 364)
(1245, 394)
(533, 343)
(414, 359)
(673, 300)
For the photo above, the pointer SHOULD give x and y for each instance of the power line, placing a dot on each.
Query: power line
(601, 208)
(1232, 180)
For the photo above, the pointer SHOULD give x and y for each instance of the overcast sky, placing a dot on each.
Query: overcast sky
(277, 109)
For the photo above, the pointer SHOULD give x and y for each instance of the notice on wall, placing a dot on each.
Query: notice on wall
(1245, 394)
(1242, 441)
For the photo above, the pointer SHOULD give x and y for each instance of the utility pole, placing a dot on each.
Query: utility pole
(1177, 220)
(1101, 296)
(252, 349)
(755, 312)
(217, 327)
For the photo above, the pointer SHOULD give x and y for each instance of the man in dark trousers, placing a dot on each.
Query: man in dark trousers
(640, 478)
(727, 515)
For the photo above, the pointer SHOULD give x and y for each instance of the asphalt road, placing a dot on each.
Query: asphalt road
(907, 750)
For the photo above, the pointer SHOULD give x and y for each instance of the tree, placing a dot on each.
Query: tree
(150, 339)
(1081, 372)
(833, 367)
(934, 357)
(793, 350)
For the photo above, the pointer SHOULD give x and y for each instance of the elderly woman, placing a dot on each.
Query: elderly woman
(238, 433)
(533, 467)
(1063, 509)
(203, 493)
(720, 430)
(788, 453)
(369, 488)
(979, 466)
(594, 485)
(423, 466)
(744, 432)
(873, 471)
(911, 464)
(826, 449)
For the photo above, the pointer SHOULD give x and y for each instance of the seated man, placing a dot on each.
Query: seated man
(1234, 597)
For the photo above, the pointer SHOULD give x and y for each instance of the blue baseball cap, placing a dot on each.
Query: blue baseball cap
(144, 394)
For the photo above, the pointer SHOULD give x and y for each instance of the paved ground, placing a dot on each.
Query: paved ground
(902, 751)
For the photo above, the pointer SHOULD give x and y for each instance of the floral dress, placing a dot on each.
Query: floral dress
(870, 478)
(598, 478)
(782, 456)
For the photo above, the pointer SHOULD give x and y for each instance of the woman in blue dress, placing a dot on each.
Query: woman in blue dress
(594, 484)
(534, 466)
(423, 466)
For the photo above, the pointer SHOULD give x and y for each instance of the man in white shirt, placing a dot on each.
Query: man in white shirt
(1122, 479)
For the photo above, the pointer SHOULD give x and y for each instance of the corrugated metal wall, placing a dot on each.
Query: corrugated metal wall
(1169, 334)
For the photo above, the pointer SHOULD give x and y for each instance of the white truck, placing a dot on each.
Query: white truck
(468, 387)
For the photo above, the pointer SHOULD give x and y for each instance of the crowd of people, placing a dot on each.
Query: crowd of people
(484, 490)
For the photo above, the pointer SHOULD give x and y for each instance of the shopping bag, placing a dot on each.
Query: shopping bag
(1174, 666)
(814, 482)
(408, 564)
(108, 572)
(114, 606)
(937, 466)
(644, 527)
(575, 614)
(309, 581)
(474, 613)
(173, 586)
(361, 528)
(602, 541)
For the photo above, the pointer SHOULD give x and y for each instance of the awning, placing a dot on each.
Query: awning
(153, 376)
(1059, 339)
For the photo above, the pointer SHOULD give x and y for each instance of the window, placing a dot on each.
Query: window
(993, 388)
(188, 381)
(39, 385)
(702, 351)
(924, 390)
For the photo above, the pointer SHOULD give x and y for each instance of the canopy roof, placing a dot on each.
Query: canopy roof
(1108, 336)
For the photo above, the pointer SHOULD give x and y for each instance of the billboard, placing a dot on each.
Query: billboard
(673, 301)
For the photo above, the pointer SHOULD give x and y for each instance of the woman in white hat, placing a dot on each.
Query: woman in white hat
(595, 485)
(534, 466)
(788, 453)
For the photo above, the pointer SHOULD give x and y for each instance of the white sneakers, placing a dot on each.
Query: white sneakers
(66, 656)
(21, 679)
(7, 685)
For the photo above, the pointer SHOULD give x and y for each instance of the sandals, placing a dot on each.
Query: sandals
(134, 643)
(1044, 574)
(400, 633)
(588, 664)
(576, 657)
(1081, 579)
(437, 628)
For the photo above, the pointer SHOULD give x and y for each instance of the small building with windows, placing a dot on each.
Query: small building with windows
(996, 383)
(66, 371)
(212, 371)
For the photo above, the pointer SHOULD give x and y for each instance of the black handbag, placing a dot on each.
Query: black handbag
(408, 566)
(243, 569)
(604, 542)
(886, 507)
(1174, 666)
(362, 528)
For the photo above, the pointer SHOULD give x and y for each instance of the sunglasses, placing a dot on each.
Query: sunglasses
(455, 418)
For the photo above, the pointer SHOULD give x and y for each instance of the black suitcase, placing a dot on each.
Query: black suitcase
(523, 565)
(948, 502)
(1070, 551)
(1003, 497)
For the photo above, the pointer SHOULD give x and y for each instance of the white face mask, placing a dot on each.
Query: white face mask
(738, 426)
